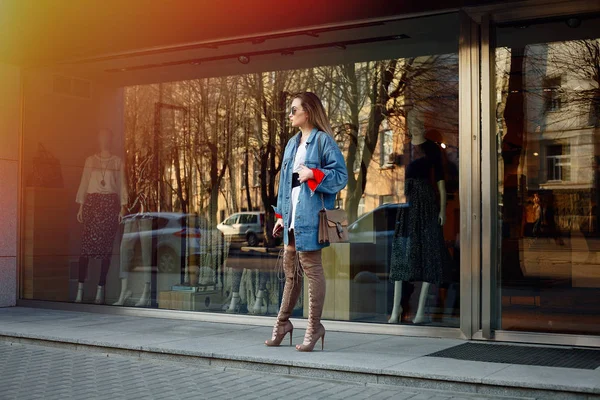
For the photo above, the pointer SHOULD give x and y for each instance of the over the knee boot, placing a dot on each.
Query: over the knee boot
(291, 292)
(313, 268)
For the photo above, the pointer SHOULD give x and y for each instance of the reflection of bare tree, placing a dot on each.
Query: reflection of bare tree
(269, 93)
(381, 91)
(550, 98)
(216, 104)
(213, 125)
(578, 63)
(247, 129)
(170, 138)
(138, 147)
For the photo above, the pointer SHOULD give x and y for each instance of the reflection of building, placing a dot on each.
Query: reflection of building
(562, 139)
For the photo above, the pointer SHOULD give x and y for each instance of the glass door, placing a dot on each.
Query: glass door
(546, 98)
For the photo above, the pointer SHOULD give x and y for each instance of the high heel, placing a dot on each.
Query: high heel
(291, 292)
(123, 298)
(234, 306)
(260, 305)
(311, 339)
(79, 297)
(144, 301)
(99, 295)
(279, 332)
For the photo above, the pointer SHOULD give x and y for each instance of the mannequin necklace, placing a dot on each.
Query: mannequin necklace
(103, 169)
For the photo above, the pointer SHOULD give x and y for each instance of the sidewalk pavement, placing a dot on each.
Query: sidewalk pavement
(358, 358)
(29, 372)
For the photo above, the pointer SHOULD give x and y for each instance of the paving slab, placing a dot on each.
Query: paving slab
(407, 345)
(580, 380)
(351, 361)
(445, 369)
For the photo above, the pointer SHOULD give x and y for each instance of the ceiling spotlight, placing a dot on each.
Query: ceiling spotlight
(443, 145)
(195, 63)
(341, 46)
(401, 36)
(287, 53)
(244, 59)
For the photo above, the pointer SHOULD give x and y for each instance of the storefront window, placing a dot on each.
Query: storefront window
(547, 86)
(160, 194)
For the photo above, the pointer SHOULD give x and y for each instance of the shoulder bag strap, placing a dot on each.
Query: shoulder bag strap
(320, 149)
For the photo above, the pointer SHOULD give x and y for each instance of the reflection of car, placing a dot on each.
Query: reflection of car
(176, 234)
(377, 225)
(372, 235)
(244, 226)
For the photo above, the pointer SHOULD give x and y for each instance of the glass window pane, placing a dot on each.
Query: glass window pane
(192, 154)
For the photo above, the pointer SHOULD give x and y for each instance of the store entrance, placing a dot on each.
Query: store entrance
(547, 86)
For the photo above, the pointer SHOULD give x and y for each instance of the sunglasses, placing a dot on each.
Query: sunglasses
(293, 110)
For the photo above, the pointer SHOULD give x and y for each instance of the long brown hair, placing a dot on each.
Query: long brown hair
(316, 112)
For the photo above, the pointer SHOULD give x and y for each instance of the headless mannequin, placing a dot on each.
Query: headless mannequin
(131, 233)
(418, 138)
(104, 137)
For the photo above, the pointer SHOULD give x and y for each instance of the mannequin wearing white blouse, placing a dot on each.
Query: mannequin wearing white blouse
(103, 167)
(103, 174)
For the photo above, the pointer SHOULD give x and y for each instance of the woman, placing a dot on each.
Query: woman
(313, 171)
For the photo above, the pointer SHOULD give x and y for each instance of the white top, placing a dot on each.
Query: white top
(298, 162)
(104, 176)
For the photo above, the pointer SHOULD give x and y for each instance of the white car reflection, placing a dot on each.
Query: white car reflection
(178, 235)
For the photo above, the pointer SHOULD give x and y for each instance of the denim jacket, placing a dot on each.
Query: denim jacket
(331, 176)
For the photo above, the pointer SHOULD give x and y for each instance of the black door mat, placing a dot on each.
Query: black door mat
(523, 355)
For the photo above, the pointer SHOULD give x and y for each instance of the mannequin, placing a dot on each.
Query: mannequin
(102, 198)
(260, 306)
(425, 258)
(136, 227)
(261, 299)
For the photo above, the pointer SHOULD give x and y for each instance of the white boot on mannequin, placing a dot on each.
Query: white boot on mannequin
(131, 234)
(420, 317)
(260, 305)
(99, 295)
(396, 316)
(234, 306)
(79, 297)
(145, 299)
(125, 293)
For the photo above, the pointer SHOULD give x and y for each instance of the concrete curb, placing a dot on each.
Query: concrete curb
(483, 386)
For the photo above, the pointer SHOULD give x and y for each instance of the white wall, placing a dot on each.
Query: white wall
(9, 164)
